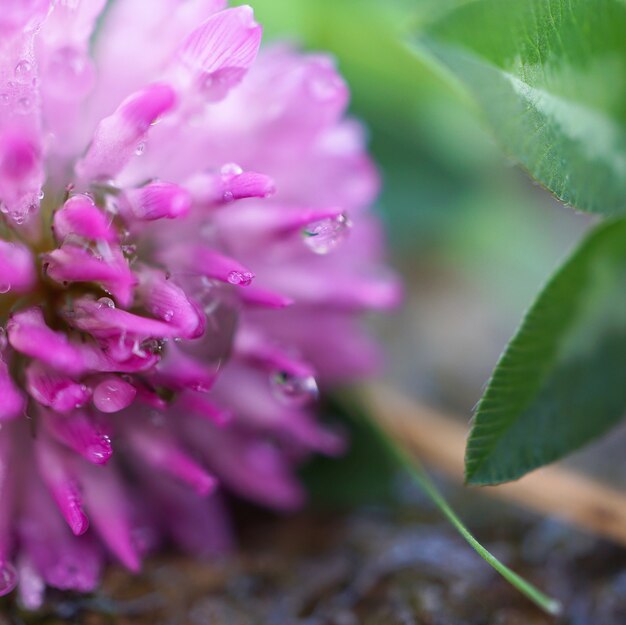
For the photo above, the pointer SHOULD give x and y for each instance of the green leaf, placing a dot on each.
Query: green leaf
(374, 447)
(363, 475)
(550, 78)
(562, 380)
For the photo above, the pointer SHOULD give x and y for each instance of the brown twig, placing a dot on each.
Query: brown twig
(439, 440)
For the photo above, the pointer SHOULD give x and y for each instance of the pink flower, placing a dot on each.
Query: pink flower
(176, 277)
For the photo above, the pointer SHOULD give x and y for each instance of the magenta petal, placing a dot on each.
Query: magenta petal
(19, 15)
(21, 170)
(71, 263)
(220, 50)
(54, 390)
(159, 449)
(79, 432)
(212, 189)
(109, 510)
(29, 334)
(212, 264)
(65, 561)
(103, 319)
(60, 478)
(17, 267)
(13, 402)
(265, 298)
(113, 394)
(180, 371)
(81, 217)
(116, 138)
(199, 404)
(158, 200)
(166, 300)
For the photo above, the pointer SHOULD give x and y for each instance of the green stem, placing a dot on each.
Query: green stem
(417, 472)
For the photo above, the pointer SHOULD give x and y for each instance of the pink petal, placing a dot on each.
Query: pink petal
(166, 300)
(158, 200)
(55, 390)
(13, 402)
(109, 509)
(79, 432)
(81, 217)
(28, 333)
(17, 15)
(103, 319)
(64, 561)
(220, 51)
(71, 263)
(212, 264)
(157, 449)
(232, 184)
(116, 138)
(180, 371)
(61, 480)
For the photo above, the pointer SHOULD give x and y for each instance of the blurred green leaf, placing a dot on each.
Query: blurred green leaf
(363, 475)
(550, 78)
(560, 383)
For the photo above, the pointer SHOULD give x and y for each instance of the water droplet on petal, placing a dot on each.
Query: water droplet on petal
(325, 235)
(70, 71)
(106, 302)
(100, 450)
(41, 194)
(140, 149)
(294, 390)
(240, 278)
(24, 105)
(228, 196)
(5, 288)
(231, 169)
(8, 578)
(22, 71)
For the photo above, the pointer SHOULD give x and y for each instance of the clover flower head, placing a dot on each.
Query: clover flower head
(176, 277)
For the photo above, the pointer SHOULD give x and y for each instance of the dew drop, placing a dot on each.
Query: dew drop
(228, 196)
(100, 450)
(294, 390)
(105, 302)
(231, 169)
(168, 315)
(41, 194)
(240, 278)
(8, 578)
(5, 288)
(325, 235)
(22, 71)
(24, 105)
(140, 149)
(70, 71)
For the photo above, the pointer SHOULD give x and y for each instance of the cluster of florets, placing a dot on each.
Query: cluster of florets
(175, 276)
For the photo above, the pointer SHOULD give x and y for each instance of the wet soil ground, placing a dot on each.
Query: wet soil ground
(398, 565)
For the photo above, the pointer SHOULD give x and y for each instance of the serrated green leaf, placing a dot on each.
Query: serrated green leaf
(562, 380)
(550, 78)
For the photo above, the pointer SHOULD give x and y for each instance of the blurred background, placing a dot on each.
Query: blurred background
(472, 236)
